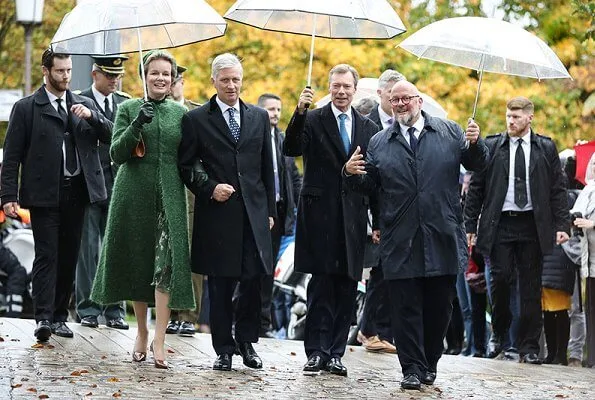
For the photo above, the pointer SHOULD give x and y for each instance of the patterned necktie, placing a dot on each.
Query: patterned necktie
(520, 176)
(343, 132)
(107, 110)
(233, 124)
(390, 121)
(412, 139)
(69, 146)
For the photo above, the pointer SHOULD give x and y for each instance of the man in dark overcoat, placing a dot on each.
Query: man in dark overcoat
(414, 165)
(521, 197)
(234, 209)
(106, 73)
(51, 142)
(331, 219)
(287, 186)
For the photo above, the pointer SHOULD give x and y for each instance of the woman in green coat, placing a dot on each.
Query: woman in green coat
(145, 255)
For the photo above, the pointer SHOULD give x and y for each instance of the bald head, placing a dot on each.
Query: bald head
(405, 102)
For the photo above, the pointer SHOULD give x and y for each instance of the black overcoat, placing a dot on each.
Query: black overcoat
(487, 191)
(290, 183)
(33, 145)
(247, 165)
(331, 218)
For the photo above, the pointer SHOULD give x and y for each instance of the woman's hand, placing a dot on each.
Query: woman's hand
(584, 223)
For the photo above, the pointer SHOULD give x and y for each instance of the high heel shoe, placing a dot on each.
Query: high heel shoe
(139, 356)
(160, 364)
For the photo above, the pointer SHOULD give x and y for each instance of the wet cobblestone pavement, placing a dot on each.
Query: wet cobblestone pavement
(96, 364)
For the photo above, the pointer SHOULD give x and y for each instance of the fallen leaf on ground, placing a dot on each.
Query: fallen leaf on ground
(103, 357)
(84, 371)
(75, 373)
(560, 396)
(94, 385)
(16, 385)
(89, 394)
(292, 353)
(50, 346)
(351, 349)
(43, 396)
(32, 390)
(24, 379)
(170, 351)
(117, 394)
(232, 387)
(1, 339)
(113, 379)
(37, 346)
(15, 340)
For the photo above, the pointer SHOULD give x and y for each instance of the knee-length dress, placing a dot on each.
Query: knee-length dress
(146, 239)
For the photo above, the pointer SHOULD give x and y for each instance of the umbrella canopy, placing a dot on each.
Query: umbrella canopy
(332, 19)
(366, 87)
(102, 27)
(486, 44)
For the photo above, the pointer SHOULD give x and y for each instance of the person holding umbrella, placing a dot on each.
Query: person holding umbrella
(145, 254)
(331, 219)
(414, 165)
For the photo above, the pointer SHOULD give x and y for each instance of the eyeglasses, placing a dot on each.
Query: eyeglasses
(405, 100)
(110, 75)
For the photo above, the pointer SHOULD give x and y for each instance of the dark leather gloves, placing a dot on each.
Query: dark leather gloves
(145, 114)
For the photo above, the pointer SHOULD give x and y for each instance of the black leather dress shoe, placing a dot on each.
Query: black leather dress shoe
(90, 321)
(411, 382)
(60, 329)
(336, 367)
(43, 330)
(187, 329)
(172, 327)
(117, 323)
(314, 365)
(223, 362)
(428, 378)
(494, 347)
(251, 359)
(531, 358)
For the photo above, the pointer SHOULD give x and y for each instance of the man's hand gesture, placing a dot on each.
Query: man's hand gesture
(356, 164)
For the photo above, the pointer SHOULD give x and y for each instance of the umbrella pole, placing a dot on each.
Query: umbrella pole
(312, 52)
(478, 86)
(140, 60)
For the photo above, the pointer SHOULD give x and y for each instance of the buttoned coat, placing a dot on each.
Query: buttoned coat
(33, 147)
(331, 218)
(247, 165)
(487, 191)
(420, 192)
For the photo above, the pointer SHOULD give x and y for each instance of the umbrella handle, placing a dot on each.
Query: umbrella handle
(478, 87)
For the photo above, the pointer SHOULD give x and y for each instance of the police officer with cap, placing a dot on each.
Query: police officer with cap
(177, 90)
(107, 72)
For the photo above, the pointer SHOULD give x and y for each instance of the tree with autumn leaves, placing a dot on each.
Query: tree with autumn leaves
(277, 62)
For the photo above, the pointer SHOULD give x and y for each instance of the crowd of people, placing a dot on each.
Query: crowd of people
(156, 200)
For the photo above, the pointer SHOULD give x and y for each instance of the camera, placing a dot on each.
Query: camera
(575, 230)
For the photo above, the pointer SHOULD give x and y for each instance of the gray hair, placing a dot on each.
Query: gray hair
(390, 75)
(343, 69)
(366, 105)
(225, 60)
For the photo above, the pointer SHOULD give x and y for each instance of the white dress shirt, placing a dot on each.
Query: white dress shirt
(418, 125)
(101, 99)
(348, 120)
(275, 165)
(385, 119)
(224, 107)
(52, 97)
(509, 204)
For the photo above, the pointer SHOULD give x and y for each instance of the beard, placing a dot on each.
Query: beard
(59, 85)
(409, 118)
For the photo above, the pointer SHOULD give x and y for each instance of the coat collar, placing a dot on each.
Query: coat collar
(503, 149)
(217, 119)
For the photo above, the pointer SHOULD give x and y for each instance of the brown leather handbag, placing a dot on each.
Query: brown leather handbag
(139, 149)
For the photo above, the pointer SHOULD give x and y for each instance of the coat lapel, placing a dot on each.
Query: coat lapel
(329, 123)
(217, 120)
(47, 109)
(246, 117)
(534, 155)
(503, 153)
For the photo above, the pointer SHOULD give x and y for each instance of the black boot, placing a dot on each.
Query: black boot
(563, 335)
(551, 333)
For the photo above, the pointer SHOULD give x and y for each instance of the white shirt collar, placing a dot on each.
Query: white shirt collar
(526, 138)
(224, 106)
(52, 97)
(384, 117)
(100, 97)
(338, 112)
(418, 125)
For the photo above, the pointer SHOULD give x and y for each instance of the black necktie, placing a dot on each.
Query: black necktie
(107, 110)
(412, 139)
(520, 176)
(69, 146)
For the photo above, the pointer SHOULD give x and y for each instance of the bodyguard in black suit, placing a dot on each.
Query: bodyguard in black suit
(287, 185)
(107, 72)
(234, 209)
(52, 142)
(522, 201)
(331, 219)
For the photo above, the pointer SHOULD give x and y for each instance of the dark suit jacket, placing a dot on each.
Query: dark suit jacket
(487, 191)
(217, 238)
(290, 183)
(331, 220)
(375, 117)
(109, 169)
(33, 146)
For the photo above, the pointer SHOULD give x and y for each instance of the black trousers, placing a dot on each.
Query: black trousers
(247, 299)
(266, 292)
(516, 253)
(479, 303)
(420, 312)
(376, 314)
(331, 299)
(57, 235)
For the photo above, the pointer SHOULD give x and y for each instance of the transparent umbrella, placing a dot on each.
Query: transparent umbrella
(332, 19)
(100, 27)
(366, 87)
(486, 44)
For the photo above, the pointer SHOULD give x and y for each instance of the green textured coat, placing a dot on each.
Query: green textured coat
(127, 261)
